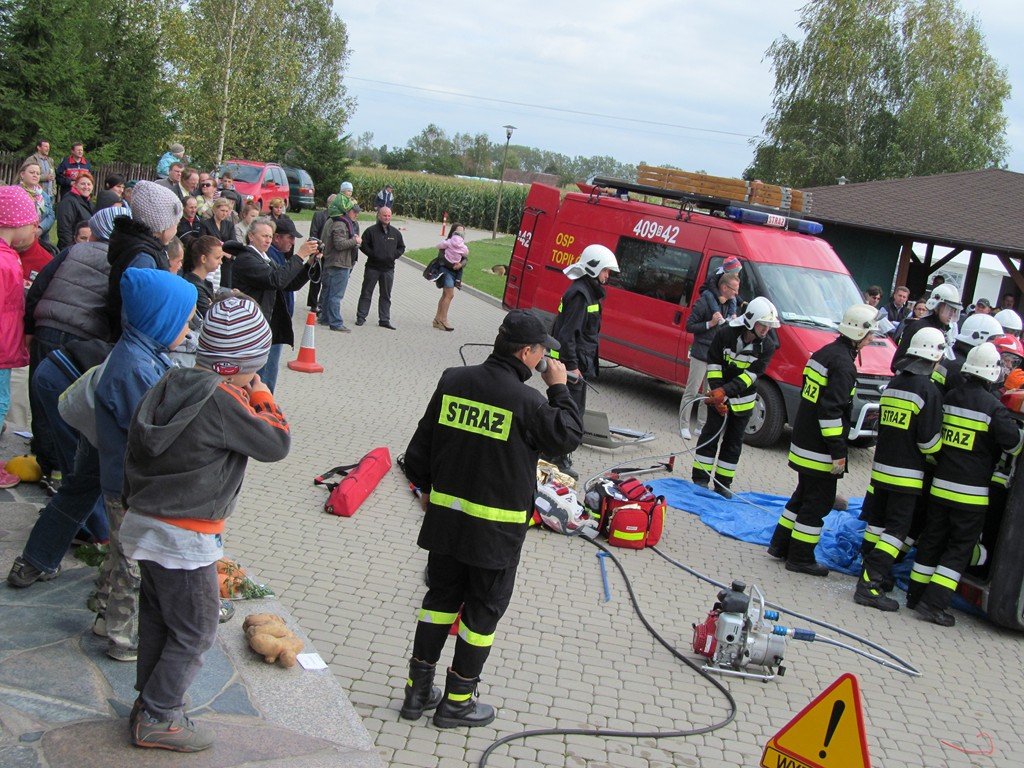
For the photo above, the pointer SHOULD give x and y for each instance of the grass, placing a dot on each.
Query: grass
(483, 254)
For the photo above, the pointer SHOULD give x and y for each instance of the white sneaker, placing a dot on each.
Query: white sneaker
(685, 434)
(99, 627)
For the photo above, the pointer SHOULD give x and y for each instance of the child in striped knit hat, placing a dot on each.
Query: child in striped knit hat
(188, 447)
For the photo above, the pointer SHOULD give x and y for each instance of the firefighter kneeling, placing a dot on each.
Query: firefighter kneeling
(739, 353)
(976, 427)
(909, 427)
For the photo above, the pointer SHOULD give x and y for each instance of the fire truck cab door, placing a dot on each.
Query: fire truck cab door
(651, 296)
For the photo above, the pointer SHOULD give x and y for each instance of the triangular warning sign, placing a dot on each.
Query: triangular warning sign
(827, 733)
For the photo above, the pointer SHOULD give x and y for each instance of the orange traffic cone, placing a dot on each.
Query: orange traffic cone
(306, 361)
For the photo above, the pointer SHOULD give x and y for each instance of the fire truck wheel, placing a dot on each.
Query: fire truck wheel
(765, 426)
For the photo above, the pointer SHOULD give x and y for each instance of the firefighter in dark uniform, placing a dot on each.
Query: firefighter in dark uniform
(739, 353)
(976, 428)
(474, 456)
(944, 308)
(909, 431)
(975, 330)
(578, 326)
(818, 447)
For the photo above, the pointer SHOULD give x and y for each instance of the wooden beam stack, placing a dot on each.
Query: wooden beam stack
(724, 188)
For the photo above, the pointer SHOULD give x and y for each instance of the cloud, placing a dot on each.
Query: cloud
(664, 61)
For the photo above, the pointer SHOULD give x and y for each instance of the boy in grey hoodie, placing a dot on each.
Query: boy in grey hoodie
(188, 447)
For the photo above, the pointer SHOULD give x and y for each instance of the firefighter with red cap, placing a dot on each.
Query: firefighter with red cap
(818, 447)
(578, 327)
(739, 353)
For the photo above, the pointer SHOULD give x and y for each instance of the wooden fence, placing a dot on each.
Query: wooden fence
(10, 162)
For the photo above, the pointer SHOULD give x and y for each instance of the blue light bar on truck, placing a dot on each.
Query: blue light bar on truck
(747, 216)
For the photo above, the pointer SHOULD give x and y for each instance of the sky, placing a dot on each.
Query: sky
(692, 79)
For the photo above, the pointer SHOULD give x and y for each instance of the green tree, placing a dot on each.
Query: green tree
(881, 89)
(251, 74)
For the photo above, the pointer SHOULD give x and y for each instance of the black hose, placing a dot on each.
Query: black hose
(617, 734)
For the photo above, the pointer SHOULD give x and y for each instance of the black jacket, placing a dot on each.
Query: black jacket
(976, 428)
(382, 247)
(189, 229)
(259, 277)
(316, 226)
(823, 417)
(909, 430)
(909, 329)
(234, 197)
(700, 317)
(578, 325)
(71, 210)
(735, 370)
(224, 232)
(475, 452)
(131, 245)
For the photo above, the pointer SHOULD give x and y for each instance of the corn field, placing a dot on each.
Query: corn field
(425, 196)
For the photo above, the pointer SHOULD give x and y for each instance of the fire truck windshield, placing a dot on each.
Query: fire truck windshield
(809, 296)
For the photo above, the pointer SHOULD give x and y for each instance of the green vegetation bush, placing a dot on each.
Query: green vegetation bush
(425, 196)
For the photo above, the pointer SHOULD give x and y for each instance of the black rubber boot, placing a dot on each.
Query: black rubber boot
(871, 594)
(420, 692)
(801, 559)
(938, 616)
(458, 707)
(779, 545)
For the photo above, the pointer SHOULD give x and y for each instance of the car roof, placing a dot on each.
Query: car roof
(238, 161)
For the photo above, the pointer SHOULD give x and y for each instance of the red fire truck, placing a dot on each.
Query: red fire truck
(666, 249)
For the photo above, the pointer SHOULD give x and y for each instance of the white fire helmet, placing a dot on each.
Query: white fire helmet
(944, 294)
(759, 310)
(979, 328)
(1009, 321)
(593, 260)
(858, 321)
(984, 362)
(928, 344)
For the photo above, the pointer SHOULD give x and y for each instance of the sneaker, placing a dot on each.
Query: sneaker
(119, 653)
(227, 610)
(685, 434)
(389, 326)
(8, 479)
(99, 626)
(360, 322)
(342, 329)
(181, 735)
(23, 573)
(51, 483)
(134, 714)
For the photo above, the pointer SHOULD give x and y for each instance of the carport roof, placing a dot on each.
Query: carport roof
(974, 210)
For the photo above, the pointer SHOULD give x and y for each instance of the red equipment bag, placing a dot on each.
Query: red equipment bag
(632, 516)
(357, 482)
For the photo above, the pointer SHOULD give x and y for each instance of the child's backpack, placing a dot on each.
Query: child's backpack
(631, 516)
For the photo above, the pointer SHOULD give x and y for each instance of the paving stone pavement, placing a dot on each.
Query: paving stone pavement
(563, 657)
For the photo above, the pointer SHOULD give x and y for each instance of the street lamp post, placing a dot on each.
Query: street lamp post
(501, 181)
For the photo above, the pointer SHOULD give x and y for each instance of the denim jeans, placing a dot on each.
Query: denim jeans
(268, 373)
(48, 382)
(45, 341)
(178, 615)
(78, 499)
(335, 283)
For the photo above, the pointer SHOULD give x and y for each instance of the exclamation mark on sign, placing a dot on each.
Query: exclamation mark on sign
(833, 722)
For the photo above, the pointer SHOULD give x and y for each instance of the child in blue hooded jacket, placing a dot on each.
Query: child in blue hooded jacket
(156, 309)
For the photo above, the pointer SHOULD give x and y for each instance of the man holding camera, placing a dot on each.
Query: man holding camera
(268, 270)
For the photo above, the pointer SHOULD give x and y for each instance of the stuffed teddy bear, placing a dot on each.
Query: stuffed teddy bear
(271, 639)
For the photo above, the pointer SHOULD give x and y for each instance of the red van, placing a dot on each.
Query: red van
(666, 252)
(256, 182)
